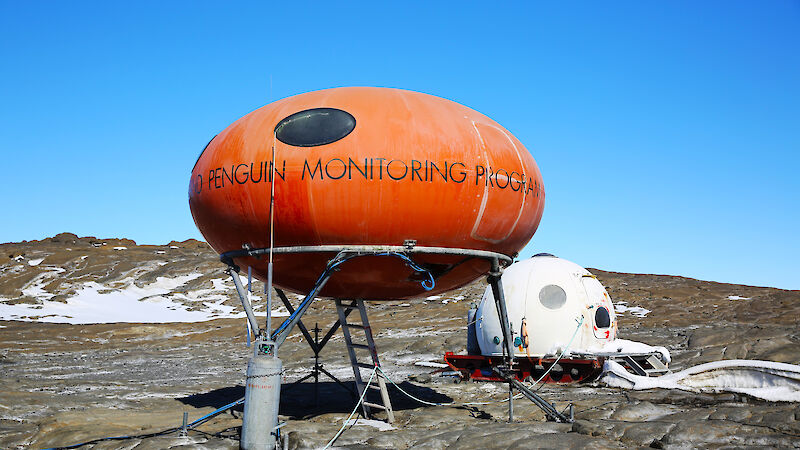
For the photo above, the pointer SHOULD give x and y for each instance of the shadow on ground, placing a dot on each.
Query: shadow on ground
(304, 400)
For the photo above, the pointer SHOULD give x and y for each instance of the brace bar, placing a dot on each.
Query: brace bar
(549, 410)
(300, 324)
(282, 332)
(248, 309)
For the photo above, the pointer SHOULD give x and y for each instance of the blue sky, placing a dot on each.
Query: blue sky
(667, 133)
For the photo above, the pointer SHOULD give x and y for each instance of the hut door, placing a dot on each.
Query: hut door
(601, 316)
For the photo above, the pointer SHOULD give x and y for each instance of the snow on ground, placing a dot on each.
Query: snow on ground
(771, 381)
(431, 364)
(379, 424)
(622, 307)
(626, 346)
(736, 297)
(123, 301)
(35, 262)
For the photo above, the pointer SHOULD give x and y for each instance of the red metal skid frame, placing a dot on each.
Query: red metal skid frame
(479, 368)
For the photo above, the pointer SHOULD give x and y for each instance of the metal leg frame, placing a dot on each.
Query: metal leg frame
(248, 309)
(346, 252)
(507, 372)
(316, 346)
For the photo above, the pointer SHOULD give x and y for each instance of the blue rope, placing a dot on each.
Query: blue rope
(212, 414)
(426, 284)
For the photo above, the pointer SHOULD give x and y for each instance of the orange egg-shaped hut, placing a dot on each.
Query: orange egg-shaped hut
(366, 166)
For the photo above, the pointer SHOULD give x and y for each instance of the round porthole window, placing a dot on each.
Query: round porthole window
(313, 127)
(552, 296)
(601, 318)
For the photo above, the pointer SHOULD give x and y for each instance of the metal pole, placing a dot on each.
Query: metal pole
(500, 303)
(510, 403)
(495, 279)
(269, 299)
(248, 309)
(184, 431)
(316, 364)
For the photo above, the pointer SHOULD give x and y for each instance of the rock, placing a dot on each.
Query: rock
(421, 378)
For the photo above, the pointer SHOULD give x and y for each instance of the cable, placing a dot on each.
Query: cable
(360, 400)
(411, 396)
(559, 356)
(340, 259)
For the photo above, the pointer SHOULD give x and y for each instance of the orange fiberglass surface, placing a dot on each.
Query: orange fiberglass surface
(367, 166)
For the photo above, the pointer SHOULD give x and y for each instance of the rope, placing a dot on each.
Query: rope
(360, 400)
(559, 356)
(411, 396)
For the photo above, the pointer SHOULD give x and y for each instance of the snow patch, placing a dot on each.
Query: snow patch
(433, 297)
(766, 380)
(626, 346)
(431, 364)
(638, 311)
(35, 262)
(379, 425)
(409, 333)
(120, 248)
(736, 297)
(122, 302)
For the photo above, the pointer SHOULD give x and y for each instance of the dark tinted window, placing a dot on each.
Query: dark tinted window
(314, 127)
(601, 318)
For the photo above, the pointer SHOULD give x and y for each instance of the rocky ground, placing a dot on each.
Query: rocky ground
(63, 383)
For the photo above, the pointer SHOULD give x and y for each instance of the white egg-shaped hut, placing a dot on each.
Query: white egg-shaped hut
(553, 304)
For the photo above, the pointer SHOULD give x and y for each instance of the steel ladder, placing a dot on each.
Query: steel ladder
(353, 349)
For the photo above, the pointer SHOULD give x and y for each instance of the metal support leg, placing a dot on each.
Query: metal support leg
(303, 329)
(248, 309)
(510, 403)
(502, 313)
(500, 303)
(316, 346)
(282, 332)
(550, 412)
